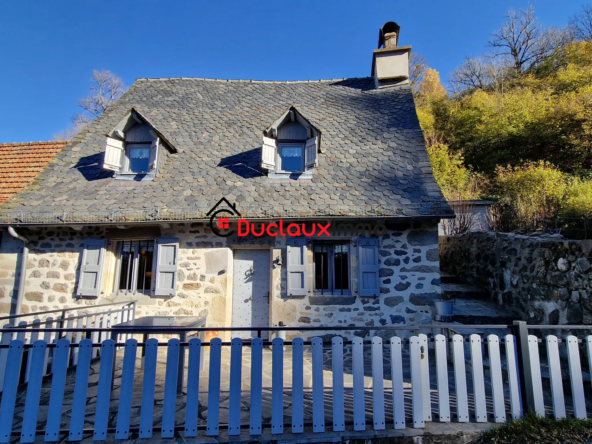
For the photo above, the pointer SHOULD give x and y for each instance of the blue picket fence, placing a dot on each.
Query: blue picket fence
(491, 388)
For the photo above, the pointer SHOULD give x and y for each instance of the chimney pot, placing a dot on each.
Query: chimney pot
(390, 39)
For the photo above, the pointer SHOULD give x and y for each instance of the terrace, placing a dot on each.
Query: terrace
(93, 381)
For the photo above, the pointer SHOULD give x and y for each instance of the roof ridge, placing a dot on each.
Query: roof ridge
(56, 142)
(249, 80)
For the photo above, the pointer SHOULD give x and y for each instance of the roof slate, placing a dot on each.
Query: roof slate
(20, 163)
(374, 157)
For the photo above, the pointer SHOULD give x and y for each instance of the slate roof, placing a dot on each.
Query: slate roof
(21, 162)
(373, 160)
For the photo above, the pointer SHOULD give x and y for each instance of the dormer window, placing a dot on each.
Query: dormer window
(291, 157)
(133, 149)
(290, 147)
(139, 158)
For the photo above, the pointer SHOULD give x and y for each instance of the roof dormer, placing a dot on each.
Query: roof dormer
(291, 146)
(133, 148)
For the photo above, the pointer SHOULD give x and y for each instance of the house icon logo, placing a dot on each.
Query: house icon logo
(220, 218)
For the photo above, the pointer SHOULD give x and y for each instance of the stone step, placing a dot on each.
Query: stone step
(482, 320)
(484, 332)
(464, 291)
(481, 312)
(446, 278)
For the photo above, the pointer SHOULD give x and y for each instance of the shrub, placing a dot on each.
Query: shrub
(531, 194)
(577, 209)
(454, 179)
(535, 429)
(578, 201)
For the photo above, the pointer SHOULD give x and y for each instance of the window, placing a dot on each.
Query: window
(138, 155)
(290, 147)
(134, 267)
(331, 267)
(291, 157)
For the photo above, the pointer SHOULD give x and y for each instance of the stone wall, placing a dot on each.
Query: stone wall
(547, 280)
(204, 272)
(409, 275)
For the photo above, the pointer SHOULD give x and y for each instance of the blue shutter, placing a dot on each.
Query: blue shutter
(297, 267)
(368, 266)
(91, 268)
(165, 266)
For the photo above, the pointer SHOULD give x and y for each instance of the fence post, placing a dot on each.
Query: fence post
(524, 369)
(63, 322)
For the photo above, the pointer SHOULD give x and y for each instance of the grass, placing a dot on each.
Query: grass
(534, 429)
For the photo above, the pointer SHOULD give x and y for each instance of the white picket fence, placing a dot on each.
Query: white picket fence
(30, 332)
(451, 389)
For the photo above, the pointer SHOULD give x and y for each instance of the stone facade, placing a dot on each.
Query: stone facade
(546, 280)
(409, 275)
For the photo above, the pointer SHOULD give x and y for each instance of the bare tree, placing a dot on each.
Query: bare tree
(480, 73)
(469, 75)
(523, 39)
(77, 125)
(581, 24)
(106, 89)
(417, 68)
(465, 220)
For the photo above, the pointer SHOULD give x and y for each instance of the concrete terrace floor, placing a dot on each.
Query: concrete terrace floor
(452, 428)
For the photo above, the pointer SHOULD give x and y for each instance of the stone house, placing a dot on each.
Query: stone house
(252, 203)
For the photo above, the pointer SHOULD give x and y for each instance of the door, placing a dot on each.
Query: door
(250, 291)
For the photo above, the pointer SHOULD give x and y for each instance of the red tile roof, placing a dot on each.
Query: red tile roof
(21, 162)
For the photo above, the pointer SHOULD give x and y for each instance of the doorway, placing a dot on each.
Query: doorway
(250, 292)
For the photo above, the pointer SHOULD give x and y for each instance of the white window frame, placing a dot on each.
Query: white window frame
(331, 261)
(133, 265)
(280, 146)
(125, 165)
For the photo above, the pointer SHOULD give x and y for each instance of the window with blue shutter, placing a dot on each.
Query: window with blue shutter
(165, 268)
(297, 267)
(368, 266)
(91, 268)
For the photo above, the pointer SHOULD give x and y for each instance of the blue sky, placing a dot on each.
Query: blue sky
(48, 49)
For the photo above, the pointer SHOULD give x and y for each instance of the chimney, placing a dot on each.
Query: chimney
(390, 62)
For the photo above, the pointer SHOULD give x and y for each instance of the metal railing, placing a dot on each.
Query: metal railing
(63, 311)
(90, 320)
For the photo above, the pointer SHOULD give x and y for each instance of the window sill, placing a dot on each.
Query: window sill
(306, 175)
(140, 298)
(136, 177)
(332, 299)
(130, 295)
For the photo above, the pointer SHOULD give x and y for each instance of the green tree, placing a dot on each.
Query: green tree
(533, 118)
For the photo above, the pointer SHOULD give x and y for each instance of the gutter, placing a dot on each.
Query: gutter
(205, 220)
(24, 256)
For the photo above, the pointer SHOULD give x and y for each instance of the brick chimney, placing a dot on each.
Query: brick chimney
(390, 62)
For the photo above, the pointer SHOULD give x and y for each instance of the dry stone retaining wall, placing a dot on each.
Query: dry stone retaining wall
(547, 280)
